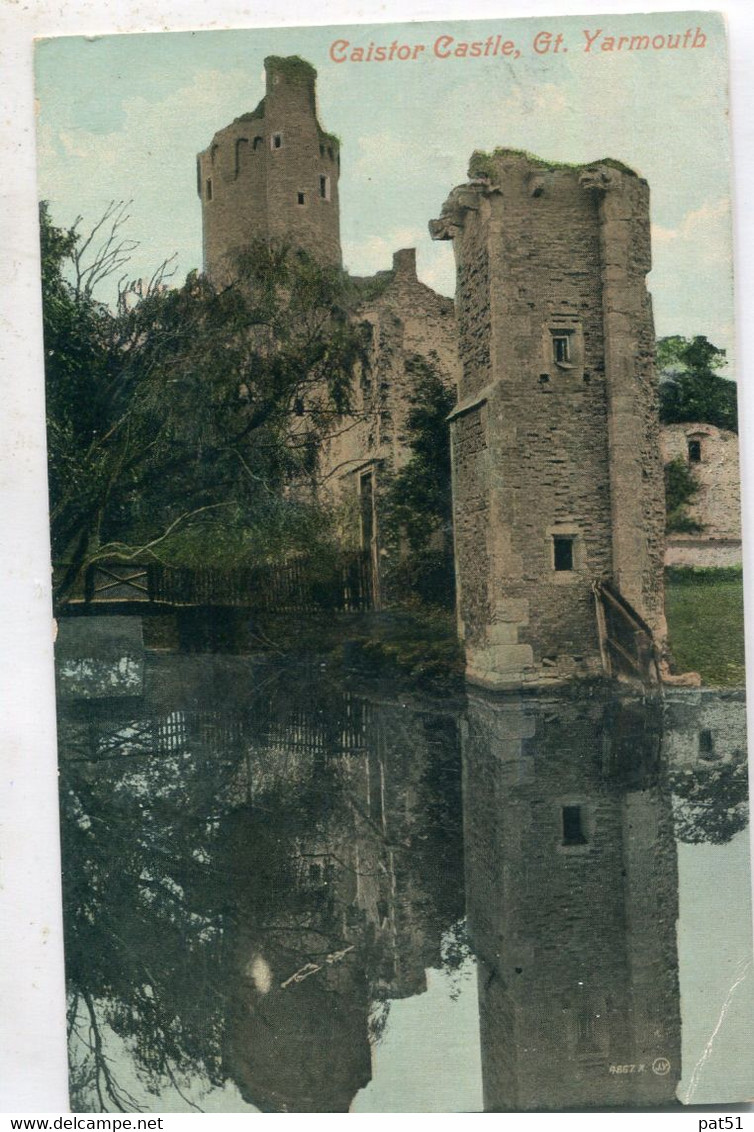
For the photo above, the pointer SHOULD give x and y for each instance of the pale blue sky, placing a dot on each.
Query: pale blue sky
(124, 116)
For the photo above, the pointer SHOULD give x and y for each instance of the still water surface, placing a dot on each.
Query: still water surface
(287, 894)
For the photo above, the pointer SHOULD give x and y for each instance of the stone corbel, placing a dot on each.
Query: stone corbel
(463, 199)
(442, 229)
(598, 179)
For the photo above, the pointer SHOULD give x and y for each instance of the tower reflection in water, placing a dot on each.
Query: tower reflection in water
(258, 860)
(350, 867)
(571, 889)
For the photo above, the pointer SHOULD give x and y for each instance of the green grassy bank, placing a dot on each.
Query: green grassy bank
(705, 624)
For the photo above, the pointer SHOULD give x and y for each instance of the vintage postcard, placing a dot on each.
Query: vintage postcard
(395, 523)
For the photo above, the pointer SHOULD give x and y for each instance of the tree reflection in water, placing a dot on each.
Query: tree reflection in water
(258, 861)
(254, 860)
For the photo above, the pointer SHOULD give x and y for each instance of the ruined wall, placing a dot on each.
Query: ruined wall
(408, 326)
(706, 725)
(578, 967)
(272, 174)
(717, 503)
(556, 341)
(697, 551)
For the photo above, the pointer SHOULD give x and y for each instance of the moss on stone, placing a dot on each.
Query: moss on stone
(251, 115)
(368, 287)
(292, 66)
(483, 164)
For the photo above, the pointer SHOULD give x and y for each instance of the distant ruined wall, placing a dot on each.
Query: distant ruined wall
(712, 457)
(704, 725)
(272, 174)
(557, 470)
(409, 326)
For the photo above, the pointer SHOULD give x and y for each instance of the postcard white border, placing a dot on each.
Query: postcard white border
(32, 1052)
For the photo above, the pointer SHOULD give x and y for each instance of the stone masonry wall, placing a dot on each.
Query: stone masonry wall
(717, 504)
(697, 551)
(407, 323)
(636, 477)
(556, 341)
(471, 522)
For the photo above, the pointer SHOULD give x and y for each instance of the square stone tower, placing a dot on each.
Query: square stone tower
(557, 472)
(272, 174)
(572, 901)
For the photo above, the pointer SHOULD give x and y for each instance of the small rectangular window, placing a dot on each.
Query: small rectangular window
(573, 830)
(586, 1027)
(301, 198)
(276, 141)
(324, 187)
(706, 745)
(561, 348)
(209, 188)
(562, 546)
(695, 451)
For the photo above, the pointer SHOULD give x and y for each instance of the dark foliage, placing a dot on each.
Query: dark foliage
(711, 802)
(178, 423)
(680, 488)
(419, 503)
(691, 389)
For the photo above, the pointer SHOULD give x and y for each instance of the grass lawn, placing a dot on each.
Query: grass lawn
(706, 629)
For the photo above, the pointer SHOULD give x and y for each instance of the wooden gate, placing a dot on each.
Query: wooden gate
(626, 640)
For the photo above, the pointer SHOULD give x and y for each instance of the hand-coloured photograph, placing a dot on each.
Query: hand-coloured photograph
(397, 575)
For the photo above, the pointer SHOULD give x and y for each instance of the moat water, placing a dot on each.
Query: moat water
(285, 891)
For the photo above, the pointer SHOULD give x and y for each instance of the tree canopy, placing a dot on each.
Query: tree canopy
(681, 486)
(419, 504)
(179, 422)
(691, 389)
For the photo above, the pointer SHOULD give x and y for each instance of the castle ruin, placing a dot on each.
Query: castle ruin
(557, 473)
(272, 174)
(558, 489)
(713, 534)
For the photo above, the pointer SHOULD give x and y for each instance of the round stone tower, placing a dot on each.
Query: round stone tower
(272, 174)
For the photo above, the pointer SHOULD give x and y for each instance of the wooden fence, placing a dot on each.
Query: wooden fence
(298, 586)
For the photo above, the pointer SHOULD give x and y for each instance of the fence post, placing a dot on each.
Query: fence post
(89, 583)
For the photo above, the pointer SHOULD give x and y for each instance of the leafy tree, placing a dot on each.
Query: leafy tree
(680, 488)
(691, 389)
(419, 504)
(179, 423)
(711, 802)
